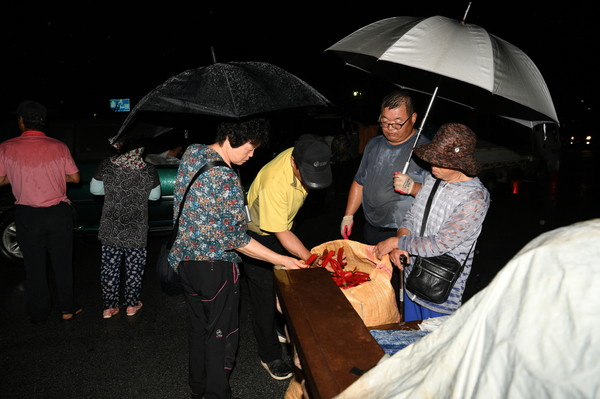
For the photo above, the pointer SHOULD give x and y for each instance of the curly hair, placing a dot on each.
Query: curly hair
(253, 131)
(398, 97)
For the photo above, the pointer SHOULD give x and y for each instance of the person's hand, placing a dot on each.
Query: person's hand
(403, 183)
(346, 227)
(400, 258)
(385, 247)
(292, 264)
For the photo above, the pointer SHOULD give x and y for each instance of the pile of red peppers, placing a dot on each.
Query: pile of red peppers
(343, 278)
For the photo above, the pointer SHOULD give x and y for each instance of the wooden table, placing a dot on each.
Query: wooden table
(333, 344)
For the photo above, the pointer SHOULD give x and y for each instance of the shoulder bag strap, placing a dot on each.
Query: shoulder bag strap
(203, 169)
(426, 213)
(428, 206)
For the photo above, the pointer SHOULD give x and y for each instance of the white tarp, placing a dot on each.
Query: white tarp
(534, 332)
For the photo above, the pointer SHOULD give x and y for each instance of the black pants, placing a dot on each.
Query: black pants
(211, 291)
(43, 231)
(372, 236)
(261, 289)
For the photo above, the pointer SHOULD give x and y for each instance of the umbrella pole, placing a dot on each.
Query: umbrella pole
(421, 128)
(462, 21)
(214, 56)
(401, 287)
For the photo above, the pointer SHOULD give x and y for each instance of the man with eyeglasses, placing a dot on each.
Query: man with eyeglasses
(373, 185)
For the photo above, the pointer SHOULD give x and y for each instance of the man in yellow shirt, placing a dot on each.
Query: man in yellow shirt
(274, 199)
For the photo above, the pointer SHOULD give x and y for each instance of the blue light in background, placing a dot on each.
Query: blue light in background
(120, 105)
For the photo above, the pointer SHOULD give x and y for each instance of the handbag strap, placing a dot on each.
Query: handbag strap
(203, 169)
(426, 214)
(428, 206)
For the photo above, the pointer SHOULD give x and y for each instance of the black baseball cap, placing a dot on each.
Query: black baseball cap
(312, 156)
(31, 110)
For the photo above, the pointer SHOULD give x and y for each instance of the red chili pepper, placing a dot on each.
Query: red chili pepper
(340, 257)
(327, 258)
(335, 266)
(311, 259)
(343, 278)
(338, 269)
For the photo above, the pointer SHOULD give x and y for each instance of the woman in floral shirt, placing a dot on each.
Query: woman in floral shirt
(212, 229)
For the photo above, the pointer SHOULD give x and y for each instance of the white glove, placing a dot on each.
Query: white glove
(403, 183)
(346, 227)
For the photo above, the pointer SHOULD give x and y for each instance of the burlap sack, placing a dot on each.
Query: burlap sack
(294, 390)
(374, 300)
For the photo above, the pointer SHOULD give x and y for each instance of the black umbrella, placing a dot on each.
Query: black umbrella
(230, 90)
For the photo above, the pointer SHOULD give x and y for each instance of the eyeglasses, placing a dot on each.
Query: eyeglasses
(395, 126)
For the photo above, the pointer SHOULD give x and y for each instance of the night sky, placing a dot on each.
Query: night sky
(75, 59)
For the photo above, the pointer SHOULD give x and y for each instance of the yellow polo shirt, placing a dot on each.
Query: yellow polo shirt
(275, 196)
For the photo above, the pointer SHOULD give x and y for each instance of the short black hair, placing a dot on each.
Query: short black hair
(398, 97)
(254, 131)
(34, 122)
(33, 114)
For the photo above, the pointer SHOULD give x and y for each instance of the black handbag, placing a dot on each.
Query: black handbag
(164, 271)
(432, 278)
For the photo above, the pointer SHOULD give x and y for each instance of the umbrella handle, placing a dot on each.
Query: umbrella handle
(462, 21)
(421, 128)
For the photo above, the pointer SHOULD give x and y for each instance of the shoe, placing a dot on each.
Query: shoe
(278, 369)
(70, 316)
(108, 313)
(132, 310)
(282, 338)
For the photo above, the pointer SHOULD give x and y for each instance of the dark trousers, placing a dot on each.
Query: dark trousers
(211, 291)
(261, 289)
(41, 232)
(372, 236)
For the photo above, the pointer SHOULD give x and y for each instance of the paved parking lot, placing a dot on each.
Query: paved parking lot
(145, 356)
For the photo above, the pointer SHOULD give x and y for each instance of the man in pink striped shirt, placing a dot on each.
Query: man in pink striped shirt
(38, 169)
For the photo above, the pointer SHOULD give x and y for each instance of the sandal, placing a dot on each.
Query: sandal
(70, 316)
(108, 313)
(132, 310)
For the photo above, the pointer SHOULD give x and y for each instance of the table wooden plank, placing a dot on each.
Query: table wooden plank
(333, 343)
